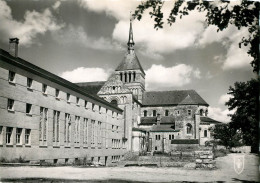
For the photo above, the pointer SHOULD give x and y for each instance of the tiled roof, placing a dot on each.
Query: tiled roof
(25, 65)
(174, 97)
(138, 129)
(91, 87)
(205, 119)
(163, 128)
(130, 62)
(152, 120)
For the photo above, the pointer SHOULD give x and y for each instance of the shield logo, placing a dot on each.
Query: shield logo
(239, 163)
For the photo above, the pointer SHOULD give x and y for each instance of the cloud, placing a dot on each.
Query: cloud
(78, 36)
(56, 5)
(159, 76)
(219, 114)
(119, 9)
(83, 74)
(34, 23)
(224, 98)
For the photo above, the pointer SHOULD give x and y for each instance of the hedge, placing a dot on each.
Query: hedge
(185, 141)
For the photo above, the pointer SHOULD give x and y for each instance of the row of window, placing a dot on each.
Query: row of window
(116, 143)
(127, 77)
(166, 112)
(95, 136)
(10, 106)
(158, 137)
(11, 79)
(20, 135)
(28, 109)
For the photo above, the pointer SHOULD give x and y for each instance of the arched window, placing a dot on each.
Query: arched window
(129, 76)
(145, 113)
(166, 113)
(154, 112)
(201, 112)
(189, 128)
(134, 76)
(205, 133)
(114, 102)
(206, 113)
(125, 77)
(121, 76)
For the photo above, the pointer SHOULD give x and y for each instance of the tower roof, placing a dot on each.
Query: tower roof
(130, 61)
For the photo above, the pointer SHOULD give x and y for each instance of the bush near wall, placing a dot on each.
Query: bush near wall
(185, 141)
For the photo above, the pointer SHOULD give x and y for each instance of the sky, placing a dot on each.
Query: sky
(85, 40)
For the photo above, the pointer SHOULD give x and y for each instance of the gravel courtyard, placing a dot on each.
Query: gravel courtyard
(224, 173)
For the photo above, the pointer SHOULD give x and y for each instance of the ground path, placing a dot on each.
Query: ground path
(225, 173)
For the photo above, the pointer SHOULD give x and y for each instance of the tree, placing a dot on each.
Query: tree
(244, 101)
(226, 135)
(220, 14)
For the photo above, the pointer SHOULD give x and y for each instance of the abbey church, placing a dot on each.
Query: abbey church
(45, 118)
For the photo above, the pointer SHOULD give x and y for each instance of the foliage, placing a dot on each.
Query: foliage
(222, 14)
(220, 152)
(244, 101)
(227, 136)
(219, 14)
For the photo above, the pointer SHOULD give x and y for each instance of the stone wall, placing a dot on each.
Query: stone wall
(204, 159)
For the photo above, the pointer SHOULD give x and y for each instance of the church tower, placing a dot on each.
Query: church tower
(130, 71)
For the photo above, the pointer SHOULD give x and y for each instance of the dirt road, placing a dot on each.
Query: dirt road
(225, 173)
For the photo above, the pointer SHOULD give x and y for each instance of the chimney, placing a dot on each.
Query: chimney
(158, 119)
(13, 46)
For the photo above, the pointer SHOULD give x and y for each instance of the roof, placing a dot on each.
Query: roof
(174, 97)
(138, 129)
(91, 87)
(163, 128)
(205, 119)
(152, 120)
(130, 62)
(20, 63)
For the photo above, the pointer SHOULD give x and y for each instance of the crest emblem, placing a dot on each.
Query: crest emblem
(239, 163)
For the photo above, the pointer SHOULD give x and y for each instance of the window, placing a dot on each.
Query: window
(43, 126)
(67, 128)
(92, 132)
(145, 113)
(57, 93)
(114, 102)
(154, 112)
(68, 97)
(189, 128)
(18, 135)
(27, 136)
(86, 104)
(28, 108)
(178, 112)
(9, 131)
(77, 129)
(44, 88)
(29, 83)
(11, 77)
(155, 148)
(171, 137)
(121, 76)
(77, 101)
(189, 112)
(56, 126)
(93, 106)
(99, 109)
(10, 104)
(205, 133)
(201, 112)
(166, 113)
(1, 135)
(85, 137)
(206, 113)
(157, 137)
(99, 132)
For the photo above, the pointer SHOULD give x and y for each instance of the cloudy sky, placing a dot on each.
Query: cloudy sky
(84, 40)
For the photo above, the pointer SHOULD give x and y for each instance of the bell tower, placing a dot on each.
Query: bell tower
(130, 71)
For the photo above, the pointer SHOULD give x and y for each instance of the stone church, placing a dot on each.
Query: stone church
(153, 118)
(45, 118)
